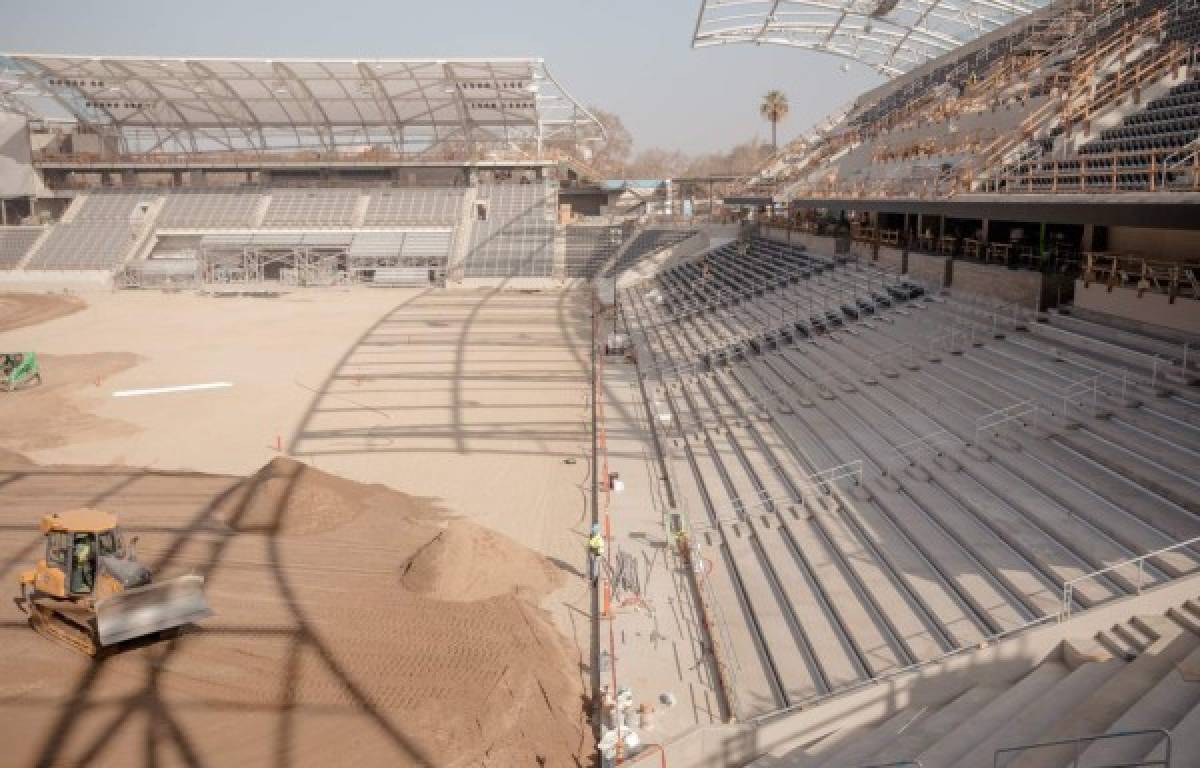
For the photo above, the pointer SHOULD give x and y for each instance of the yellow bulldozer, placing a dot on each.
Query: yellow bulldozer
(90, 592)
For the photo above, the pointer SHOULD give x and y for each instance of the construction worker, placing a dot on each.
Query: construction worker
(83, 564)
(595, 552)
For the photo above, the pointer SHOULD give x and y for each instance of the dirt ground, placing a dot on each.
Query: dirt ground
(18, 310)
(356, 624)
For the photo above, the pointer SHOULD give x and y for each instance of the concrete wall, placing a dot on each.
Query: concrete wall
(1156, 244)
(17, 177)
(926, 266)
(892, 258)
(863, 251)
(1150, 308)
(1020, 286)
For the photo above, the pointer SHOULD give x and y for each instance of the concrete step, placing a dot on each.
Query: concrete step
(1009, 704)
(858, 750)
(821, 632)
(1108, 702)
(875, 647)
(1006, 566)
(772, 615)
(1168, 485)
(818, 751)
(975, 584)
(756, 693)
(1176, 693)
(928, 730)
(1126, 495)
(1185, 740)
(1026, 726)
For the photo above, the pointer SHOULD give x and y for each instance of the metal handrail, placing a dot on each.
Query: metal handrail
(1140, 560)
(1000, 416)
(1165, 762)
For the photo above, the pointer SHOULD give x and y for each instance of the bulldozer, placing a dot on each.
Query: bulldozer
(89, 591)
(19, 370)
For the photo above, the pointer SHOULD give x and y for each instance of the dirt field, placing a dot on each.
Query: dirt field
(356, 624)
(18, 310)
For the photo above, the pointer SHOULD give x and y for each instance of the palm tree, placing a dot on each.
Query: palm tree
(774, 108)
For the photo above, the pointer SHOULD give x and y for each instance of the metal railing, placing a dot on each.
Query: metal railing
(1069, 587)
(994, 419)
(935, 442)
(1077, 743)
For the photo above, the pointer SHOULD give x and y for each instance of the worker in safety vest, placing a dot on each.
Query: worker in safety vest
(595, 547)
(83, 564)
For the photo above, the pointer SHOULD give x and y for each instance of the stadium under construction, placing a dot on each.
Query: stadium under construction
(884, 454)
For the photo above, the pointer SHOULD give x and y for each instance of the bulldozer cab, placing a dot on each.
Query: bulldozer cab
(77, 555)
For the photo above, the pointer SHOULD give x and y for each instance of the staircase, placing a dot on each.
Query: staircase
(1120, 697)
(462, 237)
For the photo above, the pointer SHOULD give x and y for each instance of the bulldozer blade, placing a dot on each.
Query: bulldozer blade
(152, 608)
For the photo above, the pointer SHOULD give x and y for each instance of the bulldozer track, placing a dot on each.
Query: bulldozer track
(54, 626)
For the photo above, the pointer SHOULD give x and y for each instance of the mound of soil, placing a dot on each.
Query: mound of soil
(288, 497)
(315, 655)
(18, 310)
(467, 562)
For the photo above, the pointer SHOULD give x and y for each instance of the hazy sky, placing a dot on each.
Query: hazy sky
(631, 57)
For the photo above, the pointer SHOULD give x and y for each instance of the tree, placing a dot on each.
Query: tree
(774, 108)
(613, 153)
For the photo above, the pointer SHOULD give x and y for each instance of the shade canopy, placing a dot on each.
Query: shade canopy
(205, 104)
(891, 36)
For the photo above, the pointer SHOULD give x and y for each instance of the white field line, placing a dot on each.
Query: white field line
(164, 390)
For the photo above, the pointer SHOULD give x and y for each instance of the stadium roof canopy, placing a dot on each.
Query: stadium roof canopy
(891, 36)
(205, 104)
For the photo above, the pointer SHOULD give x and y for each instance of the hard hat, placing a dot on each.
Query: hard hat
(595, 528)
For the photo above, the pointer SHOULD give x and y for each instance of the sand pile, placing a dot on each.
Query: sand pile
(288, 497)
(18, 310)
(467, 562)
(374, 631)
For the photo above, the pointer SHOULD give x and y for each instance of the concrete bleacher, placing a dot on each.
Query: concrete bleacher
(878, 476)
(588, 247)
(646, 242)
(15, 242)
(415, 206)
(83, 245)
(1129, 681)
(513, 232)
(110, 206)
(312, 207)
(209, 209)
